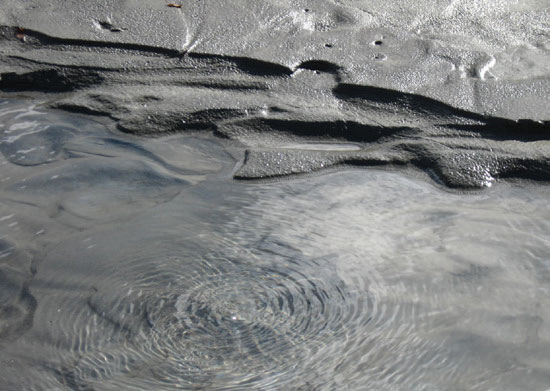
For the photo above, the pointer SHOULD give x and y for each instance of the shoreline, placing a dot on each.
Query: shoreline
(469, 126)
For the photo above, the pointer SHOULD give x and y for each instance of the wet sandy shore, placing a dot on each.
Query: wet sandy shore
(135, 263)
(458, 89)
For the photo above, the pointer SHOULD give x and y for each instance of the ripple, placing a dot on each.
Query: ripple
(263, 299)
(205, 318)
(214, 314)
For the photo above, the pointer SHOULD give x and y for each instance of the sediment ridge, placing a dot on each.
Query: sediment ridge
(294, 115)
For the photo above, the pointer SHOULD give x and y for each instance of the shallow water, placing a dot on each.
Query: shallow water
(139, 264)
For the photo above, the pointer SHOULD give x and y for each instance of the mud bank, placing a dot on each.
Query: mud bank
(458, 89)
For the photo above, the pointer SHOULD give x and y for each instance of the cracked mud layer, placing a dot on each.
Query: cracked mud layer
(446, 91)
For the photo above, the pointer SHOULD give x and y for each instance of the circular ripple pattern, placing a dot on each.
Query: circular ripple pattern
(222, 321)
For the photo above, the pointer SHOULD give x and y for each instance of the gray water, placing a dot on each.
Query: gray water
(139, 264)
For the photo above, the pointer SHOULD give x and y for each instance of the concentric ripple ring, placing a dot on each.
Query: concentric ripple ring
(229, 319)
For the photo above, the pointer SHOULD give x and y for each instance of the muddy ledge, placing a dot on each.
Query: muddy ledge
(298, 112)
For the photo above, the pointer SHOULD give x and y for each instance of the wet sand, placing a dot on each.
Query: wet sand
(146, 250)
(458, 89)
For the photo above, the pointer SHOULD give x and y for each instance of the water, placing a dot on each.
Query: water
(139, 264)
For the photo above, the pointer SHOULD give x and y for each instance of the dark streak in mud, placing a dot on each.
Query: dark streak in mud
(452, 118)
(335, 130)
(65, 43)
(49, 80)
(321, 66)
(248, 65)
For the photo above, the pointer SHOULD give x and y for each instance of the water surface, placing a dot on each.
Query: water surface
(139, 264)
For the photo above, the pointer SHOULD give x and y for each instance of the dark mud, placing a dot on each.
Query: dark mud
(446, 91)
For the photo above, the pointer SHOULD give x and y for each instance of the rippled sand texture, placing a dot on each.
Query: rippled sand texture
(140, 265)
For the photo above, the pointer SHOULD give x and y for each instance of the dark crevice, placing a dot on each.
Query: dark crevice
(45, 39)
(494, 128)
(501, 129)
(49, 80)
(80, 109)
(229, 85)
(360, 162)
(408, 101)
(248, 65)
(321, 66)
(527, 168)
(195, 121)
(338, 129)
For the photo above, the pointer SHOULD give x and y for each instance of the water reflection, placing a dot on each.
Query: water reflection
(138, 264)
